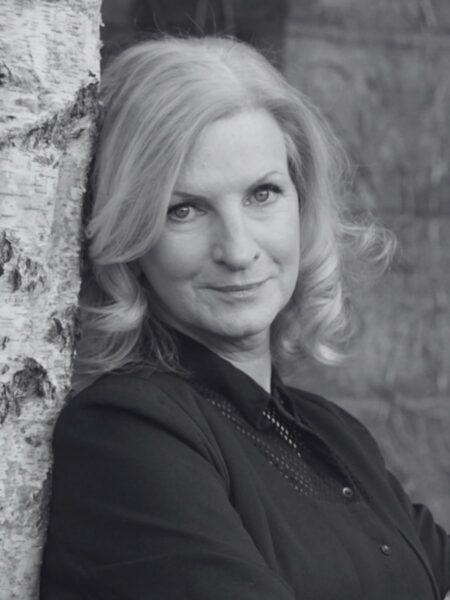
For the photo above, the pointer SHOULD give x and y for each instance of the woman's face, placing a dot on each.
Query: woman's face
(227, 260)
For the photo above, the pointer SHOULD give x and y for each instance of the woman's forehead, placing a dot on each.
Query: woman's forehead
(244, 146)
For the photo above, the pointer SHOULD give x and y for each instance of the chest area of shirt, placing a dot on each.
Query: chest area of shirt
(309, 519)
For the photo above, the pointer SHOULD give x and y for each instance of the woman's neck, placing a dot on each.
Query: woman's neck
(258, 367)
(251, 355)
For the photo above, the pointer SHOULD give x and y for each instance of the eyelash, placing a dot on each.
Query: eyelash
(265, 187)
(188, 204)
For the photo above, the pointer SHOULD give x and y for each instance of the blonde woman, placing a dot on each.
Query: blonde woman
(220, 247)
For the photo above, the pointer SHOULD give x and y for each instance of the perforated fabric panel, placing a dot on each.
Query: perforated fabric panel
(300, 457)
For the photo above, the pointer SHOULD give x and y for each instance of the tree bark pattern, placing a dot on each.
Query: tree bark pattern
(49, 70)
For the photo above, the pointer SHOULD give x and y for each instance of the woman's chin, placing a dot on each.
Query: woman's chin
(242, 329)
(221, 323)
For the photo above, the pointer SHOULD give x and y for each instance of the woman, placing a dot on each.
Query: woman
(220, 246)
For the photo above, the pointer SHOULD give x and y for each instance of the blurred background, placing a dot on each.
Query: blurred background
(380, 72)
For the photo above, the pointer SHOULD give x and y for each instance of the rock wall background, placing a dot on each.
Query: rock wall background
(380, 71)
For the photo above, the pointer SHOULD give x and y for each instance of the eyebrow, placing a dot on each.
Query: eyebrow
(262, 179)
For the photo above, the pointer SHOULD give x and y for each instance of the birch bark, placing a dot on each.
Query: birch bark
(49, 70)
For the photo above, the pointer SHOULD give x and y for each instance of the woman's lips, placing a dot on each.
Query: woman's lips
(238, 288)
(246, 290)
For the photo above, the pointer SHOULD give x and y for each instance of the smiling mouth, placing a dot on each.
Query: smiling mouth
(238, 289)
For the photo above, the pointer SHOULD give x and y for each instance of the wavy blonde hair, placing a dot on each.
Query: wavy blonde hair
(157, 97)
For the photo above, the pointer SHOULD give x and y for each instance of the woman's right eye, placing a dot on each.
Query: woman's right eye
(181, 212)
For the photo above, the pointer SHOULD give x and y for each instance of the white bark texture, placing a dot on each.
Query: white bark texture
(49, 70)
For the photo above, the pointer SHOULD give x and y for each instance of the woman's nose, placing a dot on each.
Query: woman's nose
(234, 244)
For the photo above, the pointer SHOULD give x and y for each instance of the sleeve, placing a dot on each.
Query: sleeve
(433, 537)
(145, 510)
(435, 540)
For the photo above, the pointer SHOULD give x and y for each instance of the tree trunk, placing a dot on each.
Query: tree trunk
(49, 68)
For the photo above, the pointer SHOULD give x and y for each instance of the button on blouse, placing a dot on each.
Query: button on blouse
(324, 484)
(207, 486)
(347, 492)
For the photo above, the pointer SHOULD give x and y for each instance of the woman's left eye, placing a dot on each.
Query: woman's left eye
(264, 193)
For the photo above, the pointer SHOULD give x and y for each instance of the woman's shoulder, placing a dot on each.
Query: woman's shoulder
(135, 400)
(327, 415)
(137, 390)
(314, 403)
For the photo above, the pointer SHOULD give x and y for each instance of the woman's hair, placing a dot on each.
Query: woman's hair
(157, 98)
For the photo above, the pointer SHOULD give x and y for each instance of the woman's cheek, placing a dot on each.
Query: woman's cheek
(182, 256)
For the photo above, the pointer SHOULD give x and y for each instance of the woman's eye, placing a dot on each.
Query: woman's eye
(262, 195)
(180, 212)
(266, 193)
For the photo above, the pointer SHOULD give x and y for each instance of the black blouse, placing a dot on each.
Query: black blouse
(167, 488)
